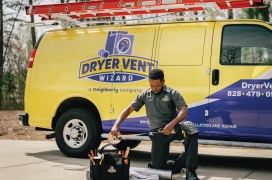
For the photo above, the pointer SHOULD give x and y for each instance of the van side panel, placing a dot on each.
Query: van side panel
(62, 63)
(244, 93)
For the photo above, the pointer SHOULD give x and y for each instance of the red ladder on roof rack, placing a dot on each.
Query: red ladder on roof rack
(109, 8)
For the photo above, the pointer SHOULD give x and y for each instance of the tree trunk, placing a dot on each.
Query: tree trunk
(230, 14)
(33, 34)
(63, 1)
(1, 51)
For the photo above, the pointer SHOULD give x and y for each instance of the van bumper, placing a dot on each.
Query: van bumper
(23, 119)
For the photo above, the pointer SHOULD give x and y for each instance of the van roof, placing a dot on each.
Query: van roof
(169, 22)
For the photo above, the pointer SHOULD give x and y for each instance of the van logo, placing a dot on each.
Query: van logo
(118, 43)
(116, 62)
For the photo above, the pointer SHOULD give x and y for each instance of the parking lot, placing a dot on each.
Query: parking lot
(41, 160)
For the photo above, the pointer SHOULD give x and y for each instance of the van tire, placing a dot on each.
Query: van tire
(77, 133)
(127, 143)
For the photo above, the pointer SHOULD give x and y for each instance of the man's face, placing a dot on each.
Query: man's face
(156, 85)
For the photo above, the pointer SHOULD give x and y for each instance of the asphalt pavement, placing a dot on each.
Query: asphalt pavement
(42, 160)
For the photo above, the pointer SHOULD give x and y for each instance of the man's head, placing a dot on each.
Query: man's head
(156, 80)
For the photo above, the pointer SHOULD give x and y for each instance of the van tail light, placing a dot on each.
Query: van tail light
(32, 56)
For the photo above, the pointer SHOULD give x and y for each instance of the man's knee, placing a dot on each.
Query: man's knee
(189, 128)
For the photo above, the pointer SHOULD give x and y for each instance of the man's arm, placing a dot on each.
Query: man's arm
(115, 130)
(183, 112)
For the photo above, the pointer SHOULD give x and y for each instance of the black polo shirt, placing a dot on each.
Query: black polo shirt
(160, 108)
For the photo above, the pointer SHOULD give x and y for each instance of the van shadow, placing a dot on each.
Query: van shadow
(57, 156)
(141, 158)
(235, 162)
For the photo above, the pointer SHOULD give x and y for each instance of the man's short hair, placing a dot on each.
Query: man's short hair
(156, 74)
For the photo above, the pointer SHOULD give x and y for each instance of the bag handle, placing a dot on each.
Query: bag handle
(102, 149)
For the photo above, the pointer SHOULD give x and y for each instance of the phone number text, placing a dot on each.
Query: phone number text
(250, 93)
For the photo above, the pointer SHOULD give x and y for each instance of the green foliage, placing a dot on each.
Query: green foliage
(8, 89)
(259, 13)
(8, 83)
(269, 61)
(250, 13)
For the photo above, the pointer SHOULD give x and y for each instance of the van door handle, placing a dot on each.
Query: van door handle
(215, 77)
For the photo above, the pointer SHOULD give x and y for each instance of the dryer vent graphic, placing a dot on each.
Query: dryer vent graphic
(117, 43)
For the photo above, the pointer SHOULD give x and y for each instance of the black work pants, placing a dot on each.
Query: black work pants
(161, 145)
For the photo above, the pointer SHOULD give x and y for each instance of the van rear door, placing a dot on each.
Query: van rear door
(241, 82)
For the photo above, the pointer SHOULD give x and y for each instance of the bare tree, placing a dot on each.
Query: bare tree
(14, 55)
(33, 34)
(16, 69)
(231, 54)
(1, 50)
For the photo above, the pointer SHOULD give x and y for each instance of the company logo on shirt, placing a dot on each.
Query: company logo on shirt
(116, 62)
(165, 98)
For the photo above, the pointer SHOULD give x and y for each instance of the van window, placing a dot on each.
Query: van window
(246, 44)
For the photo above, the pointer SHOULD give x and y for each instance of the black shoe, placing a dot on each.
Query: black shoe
(179, 163)
(170, 165)
(191, 174)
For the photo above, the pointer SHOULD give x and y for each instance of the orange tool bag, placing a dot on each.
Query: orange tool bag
(109, 165)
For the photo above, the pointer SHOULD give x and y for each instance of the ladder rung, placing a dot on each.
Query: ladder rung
(100, 6)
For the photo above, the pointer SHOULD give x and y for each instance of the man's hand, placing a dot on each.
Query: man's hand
(114, 136)
(168, 129)
(115, 130)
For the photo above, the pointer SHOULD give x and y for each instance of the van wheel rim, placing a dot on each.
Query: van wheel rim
(75, 133)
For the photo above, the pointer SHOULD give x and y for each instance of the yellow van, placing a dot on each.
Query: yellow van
(80, 79)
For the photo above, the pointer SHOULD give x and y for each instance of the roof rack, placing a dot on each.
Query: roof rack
(74, 14)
